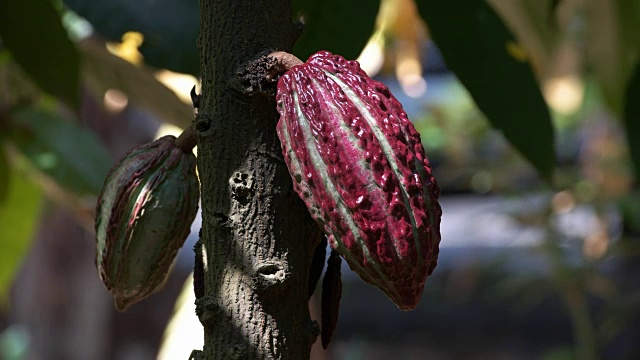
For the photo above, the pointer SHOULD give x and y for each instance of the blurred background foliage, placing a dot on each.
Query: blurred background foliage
(529, 111)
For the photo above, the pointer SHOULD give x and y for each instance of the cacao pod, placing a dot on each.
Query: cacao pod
(358, 164)
(144, 215)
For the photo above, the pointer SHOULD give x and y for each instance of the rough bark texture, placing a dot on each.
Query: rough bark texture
(256, 248)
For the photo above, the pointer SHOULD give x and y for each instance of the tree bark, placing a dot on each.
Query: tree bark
(256, 250)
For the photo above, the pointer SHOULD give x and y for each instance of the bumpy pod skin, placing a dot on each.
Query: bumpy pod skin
(144, 214)
(358, 164)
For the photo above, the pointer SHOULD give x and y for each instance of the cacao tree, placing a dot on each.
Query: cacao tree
(257, 258)
(256, 241)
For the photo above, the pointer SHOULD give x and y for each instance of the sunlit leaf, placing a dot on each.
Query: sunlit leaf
(170, 28)
(103, 71)
(632, 119)
(529, 22)
(68, 153)
(183, 321)
(481, 51)
(18, 216)
(33, 33)
(342, 27)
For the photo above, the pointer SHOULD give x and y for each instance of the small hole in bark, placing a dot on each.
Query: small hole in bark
(270, 278)
(220, 219)
(203, 125)
(268, 269)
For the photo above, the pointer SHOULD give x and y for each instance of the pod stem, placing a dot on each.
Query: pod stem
(285, 61)
(187, 140)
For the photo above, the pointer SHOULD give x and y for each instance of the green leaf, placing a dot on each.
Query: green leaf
(553, 8)
(71, 155)
(170, 28)
(103, 71)
(33, 33)
(481, 51)
(559, 353)
(342, 27)
(612, 34)
(632, 119)
(4, 175)
(18, 219)
(529, 22)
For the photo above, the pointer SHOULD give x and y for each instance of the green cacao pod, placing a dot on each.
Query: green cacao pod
(144, 215)
(358, 164)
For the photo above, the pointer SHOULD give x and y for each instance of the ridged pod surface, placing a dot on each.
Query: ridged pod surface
(144, 215)
(357, 162)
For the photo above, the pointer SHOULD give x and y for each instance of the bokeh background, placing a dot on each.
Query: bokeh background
(529, 111)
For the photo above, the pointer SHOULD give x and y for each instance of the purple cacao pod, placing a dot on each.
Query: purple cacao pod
(358, 164)
(144, 215)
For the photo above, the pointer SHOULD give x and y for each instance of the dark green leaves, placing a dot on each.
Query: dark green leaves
(53, 144)
(170, 28)
(481, 51)
(632, 119)
(42, 47)
(342, 27)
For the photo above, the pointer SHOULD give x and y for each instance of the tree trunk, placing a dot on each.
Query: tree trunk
(256, 247)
